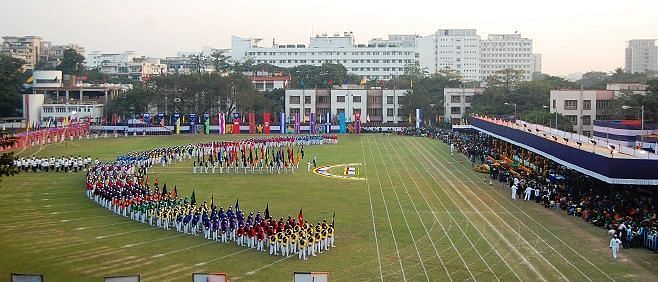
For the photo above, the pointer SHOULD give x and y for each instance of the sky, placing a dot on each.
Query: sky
(572, 35)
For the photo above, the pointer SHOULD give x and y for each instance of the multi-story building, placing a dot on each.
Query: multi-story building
(457, 49)
(507, 51)
(536, 61)
(581, 107)
(641, 55)
(139, 69)
(265, 81)
(180, 64)
(27, 48)
(53, 54)
(379, 60)
(376, 105)
(94, 59)
(456, 102)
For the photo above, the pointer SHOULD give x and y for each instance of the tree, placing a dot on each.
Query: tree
(219, 61)
(635, 101)
(7, 167)
(133, 102)
(508, 79)
(11, 79)
(593, 80)
(72, 62)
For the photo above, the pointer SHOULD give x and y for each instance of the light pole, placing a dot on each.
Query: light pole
(512, 104)
(641, 122)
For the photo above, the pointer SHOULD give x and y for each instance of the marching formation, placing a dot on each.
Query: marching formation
(63, 164)
(123, 187)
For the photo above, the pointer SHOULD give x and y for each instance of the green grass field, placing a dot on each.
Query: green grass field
(420, 215)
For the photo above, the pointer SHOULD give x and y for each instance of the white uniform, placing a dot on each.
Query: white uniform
(514, 188)
(614, 246)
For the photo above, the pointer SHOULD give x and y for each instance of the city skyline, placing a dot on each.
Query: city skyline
(572, 37)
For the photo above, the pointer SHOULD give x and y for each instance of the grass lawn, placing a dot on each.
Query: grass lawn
(420, 215)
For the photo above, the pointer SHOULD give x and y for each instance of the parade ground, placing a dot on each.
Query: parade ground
(405, 210)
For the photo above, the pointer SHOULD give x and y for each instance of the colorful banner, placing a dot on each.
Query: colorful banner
(236, 123)
(192, 123)
(327, 125)
(312, 124)
(341, 122)
(206, 123)
(297, 123)
(161, 119)
(222, 123)
(266, 122)
(419, 118)
(252, 123)
(146, 117)
(282, 123)
(177, 123)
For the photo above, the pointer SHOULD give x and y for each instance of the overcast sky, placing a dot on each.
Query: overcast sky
(571, 35)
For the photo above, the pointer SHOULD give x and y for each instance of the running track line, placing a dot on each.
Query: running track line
(372, 213)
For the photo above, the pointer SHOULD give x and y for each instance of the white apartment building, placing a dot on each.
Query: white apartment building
(507, 51)
(26, 48)
(140, 69)
(375, 104)
(456, 102)
(94, 59)
(641, 55)
(379, 60)
(457, 49)
(582, 107)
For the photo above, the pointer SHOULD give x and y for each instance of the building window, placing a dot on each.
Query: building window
(570, 104)
(603, 104)
(455, 99)
(468, 99)
(572, 118)
(323, 100)
(390, 112)
(307, 99)
(554, 104)
(587, 104)
(455, 110)
(295, 99)
(340, 99)
(390, 100)
(587, 120)
(375, 112)
(356, 99)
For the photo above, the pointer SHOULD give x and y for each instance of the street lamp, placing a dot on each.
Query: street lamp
(512, 104)
(642, 121)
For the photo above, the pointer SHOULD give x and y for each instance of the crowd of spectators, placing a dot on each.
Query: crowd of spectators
(625, 210)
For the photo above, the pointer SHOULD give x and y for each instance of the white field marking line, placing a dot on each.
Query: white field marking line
(388, 216)
(543, 227)
(125, 269)
(75, 253)
(63, 192)
(49, 206)
(78, 255)
(20, 228)
(83, 218)
(104, 263)
(421, 219)
(122, 233)
(434, 215)
(388, 174)
(147, 275)
(151, 241)
(51, 246)
(183, 249)
(78, 259)
(467, 218)
(372, 212)
(503, 221)
(266, 266)
(222, 257)
(509, 244)
(58, 212)
(170, 275)
(131, 260)
(102, 225)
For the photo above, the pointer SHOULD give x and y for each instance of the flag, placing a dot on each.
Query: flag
(237, 205)
(333, 220)
(212, 201)
(267, 211)
(364, 80)
(193, 199)
(175, 193)
(300, 218)
(164, 189)
(282, 123)
(177, 121)
(222, 123)
(206, 123)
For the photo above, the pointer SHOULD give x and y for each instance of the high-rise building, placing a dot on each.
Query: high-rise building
(457, 102)
(96, 58)
(507, 51)
(457, 49)
(378, 60)
(641, 55)
(27, 48)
